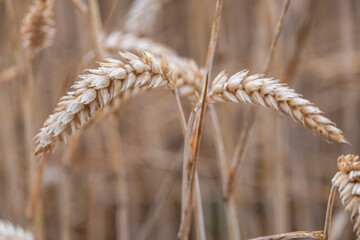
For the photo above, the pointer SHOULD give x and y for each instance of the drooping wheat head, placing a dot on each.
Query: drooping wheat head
(299, 235)
(98, 88)
(191, 73)
(11, 232)
(347, 180)
(269, 92)
(188, 82)
(38, 29)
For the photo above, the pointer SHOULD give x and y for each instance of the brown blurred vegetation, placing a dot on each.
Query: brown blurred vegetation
(284, 180)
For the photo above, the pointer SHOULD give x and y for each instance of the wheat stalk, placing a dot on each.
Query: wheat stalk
(98, 88)
(11, 232)
(317, 235)
(347, 180)
(142, 16)
(38, 28)
(269, 92)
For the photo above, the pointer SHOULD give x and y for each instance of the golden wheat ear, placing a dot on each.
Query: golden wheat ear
(269, 92)
(347, 180)
(97, 89)
(9, 231)
(189, 74)
(38, 29)
(299, 235)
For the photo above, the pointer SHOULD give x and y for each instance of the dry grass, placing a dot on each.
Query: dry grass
(121, 178)
(318, 235)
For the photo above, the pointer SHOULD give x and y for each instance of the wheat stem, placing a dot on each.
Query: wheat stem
(186, 213)
(119, 169)
(329, 210)
(66, 161)
(159, 201)
(197, 203)
(109, 16)
(239, 152)
(251, 114)
(230, 203)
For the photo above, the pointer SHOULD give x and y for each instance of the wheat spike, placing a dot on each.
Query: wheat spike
(142, 16)
(98, 88)
(347, 180)
(38, 28)
(188, 82)
(191, 74)
(269, 92)
(11, 232)
(318, 235)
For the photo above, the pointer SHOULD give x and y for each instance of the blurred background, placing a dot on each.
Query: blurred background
(284, 181)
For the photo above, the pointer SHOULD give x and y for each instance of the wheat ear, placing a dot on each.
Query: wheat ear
(11, 232)
(38, 28)
(269, 92)
(188, 81)
(142, 16)
(191, 73)
(99, 87)
(317, 235)
(347, 180)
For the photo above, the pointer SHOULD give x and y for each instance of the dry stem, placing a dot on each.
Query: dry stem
(230, 203)
(329, 209)
(195, 138)
(250, 118)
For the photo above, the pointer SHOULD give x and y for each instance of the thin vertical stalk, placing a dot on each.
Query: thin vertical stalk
(159, 201)
(66, 160)
(197, 203)
(195, 138)
(122, 199)
(251, 115)
(109, 16)
(198, 211)
(329, 209)
(230, 203)
(96, 26)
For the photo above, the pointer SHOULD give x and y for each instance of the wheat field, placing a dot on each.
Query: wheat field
(179, 119)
